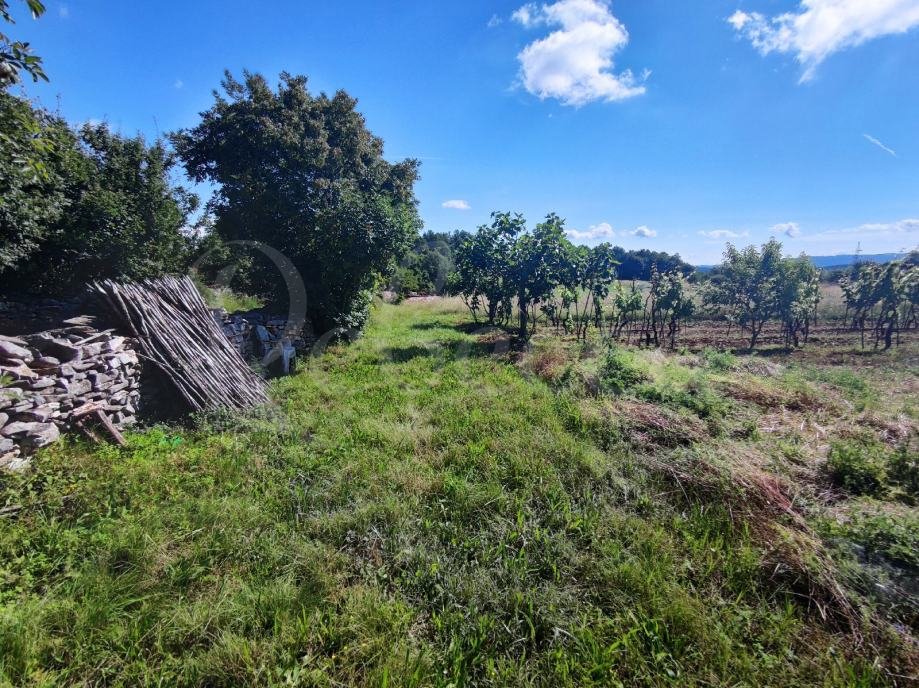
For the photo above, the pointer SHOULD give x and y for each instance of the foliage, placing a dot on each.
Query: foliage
(753, 286)
(428, 267)
(858, 467)
(16, 56)
(302, 174)
(124, 217)
(403, 520)
(638, 264)
(483, 263)
(536, 261)
(38, 157)
(667, 306)
(620, 372)
(883, 299)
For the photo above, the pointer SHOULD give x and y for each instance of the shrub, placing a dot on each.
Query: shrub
(721, 361)
(904, 470)
(857, 467)
(619, 371)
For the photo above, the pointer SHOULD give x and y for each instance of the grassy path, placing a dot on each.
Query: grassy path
(403, 517)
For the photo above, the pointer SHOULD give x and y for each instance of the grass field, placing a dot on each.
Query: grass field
(416, 509)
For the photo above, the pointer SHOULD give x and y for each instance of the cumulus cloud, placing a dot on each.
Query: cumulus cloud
(494, 21)
(599, 232)
(722, 234)
(63, 11)
(819, 28)
(574, 63)
(644, 231)
(880, 145)
(789, 229)
(456, 204)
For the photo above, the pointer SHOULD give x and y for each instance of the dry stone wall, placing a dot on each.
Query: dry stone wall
(48, 376)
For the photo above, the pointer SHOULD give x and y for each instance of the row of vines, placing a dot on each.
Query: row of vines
(509, 276)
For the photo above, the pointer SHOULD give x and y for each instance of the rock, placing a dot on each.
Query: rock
(97, 378)
(10, 350)
(13, 462)
(3, 418)
(39, 414)
(20, 372)
(6, 445)
(92, 350)
(57, 347)
(46, 362)
(17, 429)
(115, 344)
(42, 383)
(9, 396)
(41, 435)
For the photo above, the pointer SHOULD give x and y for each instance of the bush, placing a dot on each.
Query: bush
(904, 470)
(858, 468)
(722, 361)
(619, 371)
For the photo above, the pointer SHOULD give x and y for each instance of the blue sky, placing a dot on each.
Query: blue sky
(664, 124)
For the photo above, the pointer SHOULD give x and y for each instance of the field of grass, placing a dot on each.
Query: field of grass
(424, 508)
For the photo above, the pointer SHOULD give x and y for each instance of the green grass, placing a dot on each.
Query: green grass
(411, 511)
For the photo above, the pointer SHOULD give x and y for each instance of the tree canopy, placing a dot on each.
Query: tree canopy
(303, 174)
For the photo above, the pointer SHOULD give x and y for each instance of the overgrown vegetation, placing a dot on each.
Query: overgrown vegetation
(415, 511)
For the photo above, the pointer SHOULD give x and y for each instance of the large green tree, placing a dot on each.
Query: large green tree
(38, 153)
(303, 174)
(76, 206)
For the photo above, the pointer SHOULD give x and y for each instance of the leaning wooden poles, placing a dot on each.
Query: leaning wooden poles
(178, 334)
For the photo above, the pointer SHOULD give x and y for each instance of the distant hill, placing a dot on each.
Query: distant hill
(839, 261)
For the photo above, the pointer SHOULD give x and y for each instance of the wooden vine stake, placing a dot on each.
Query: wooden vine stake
(177, 333)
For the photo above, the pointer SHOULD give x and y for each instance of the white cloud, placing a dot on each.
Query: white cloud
(494, 21)
(880, 234)
(456, 204)
(179, 83)
(63, 11)
(599, 232)
(528, 15)
(574, 63)
(821, 27)
(789, 229)
(644, 231)
(722, 234)
(880, 145)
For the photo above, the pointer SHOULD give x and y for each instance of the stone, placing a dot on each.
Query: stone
(11, 350)
(17, 429)
(9, 396)
(92, 350)
(57, 347)
(3, 418)
(42, 383)
(115, 344)
(41, 435)
(13, 462)
(20, 372)
(39, 414)
(6, 445)
(46, 362)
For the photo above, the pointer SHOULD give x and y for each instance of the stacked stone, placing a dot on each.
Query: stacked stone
(48, 375)
(255, 332)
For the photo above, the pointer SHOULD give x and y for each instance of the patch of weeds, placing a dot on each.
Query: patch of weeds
(620, 371)
(721, 361)
(904, 471)
(852, 385)
(858, 467)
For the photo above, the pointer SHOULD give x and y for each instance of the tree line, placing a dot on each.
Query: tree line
(507, 275)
